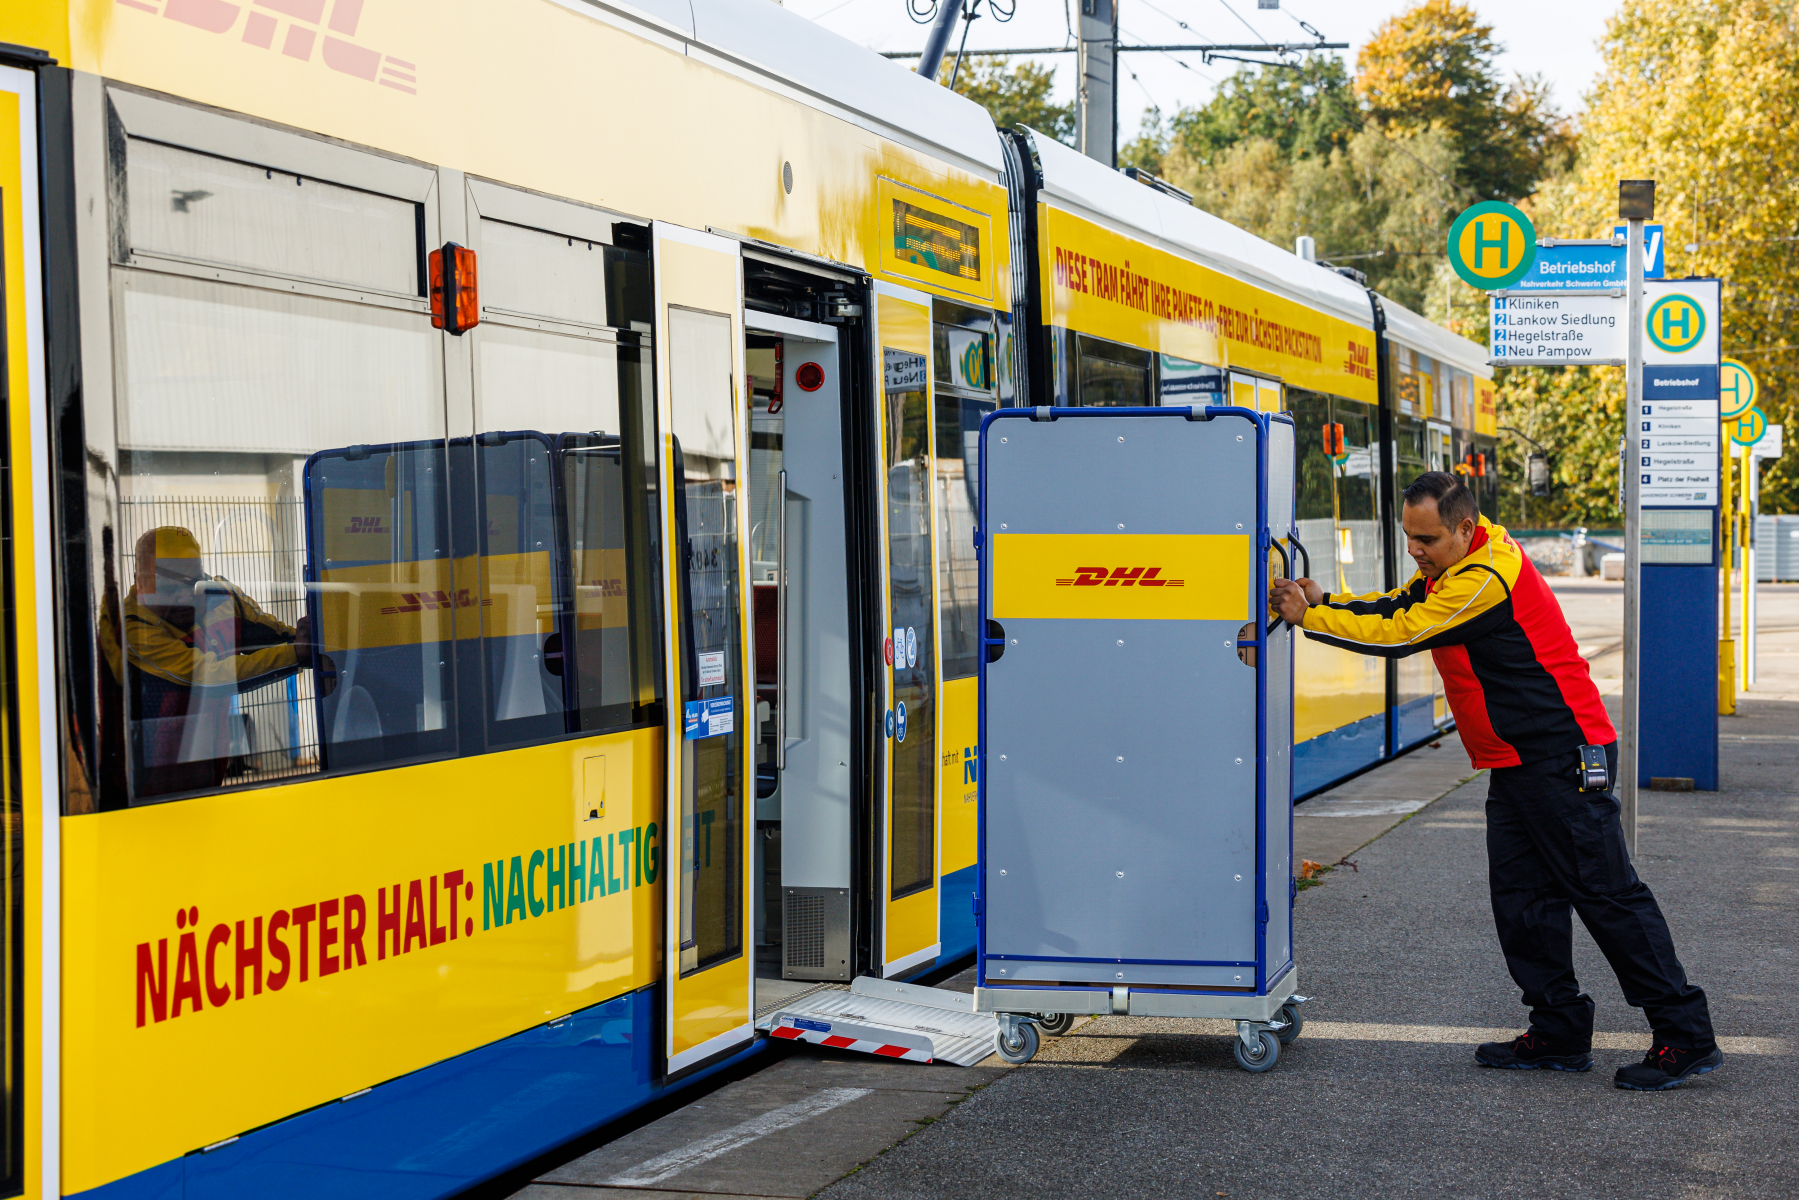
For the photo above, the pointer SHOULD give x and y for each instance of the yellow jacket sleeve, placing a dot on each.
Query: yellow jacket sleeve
(156, 648)
(1416, 617)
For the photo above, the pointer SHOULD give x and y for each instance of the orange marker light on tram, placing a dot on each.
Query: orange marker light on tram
(455, 290)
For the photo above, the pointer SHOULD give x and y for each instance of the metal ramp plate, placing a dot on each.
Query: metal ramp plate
(893, 1020)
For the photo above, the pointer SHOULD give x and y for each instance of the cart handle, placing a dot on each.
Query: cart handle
(1286, 573)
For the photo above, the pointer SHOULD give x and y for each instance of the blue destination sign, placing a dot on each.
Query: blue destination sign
(1577, 268)
(1573, 268)
(1697, 382)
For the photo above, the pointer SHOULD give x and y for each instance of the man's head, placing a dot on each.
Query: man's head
(168, 565)
(1440, 518)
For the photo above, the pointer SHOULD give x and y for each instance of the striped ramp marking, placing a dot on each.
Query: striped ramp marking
(844, 1037)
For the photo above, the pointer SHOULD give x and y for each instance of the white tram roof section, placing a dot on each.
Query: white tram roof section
(1073, 181)
(760, 38)
(1410, 329)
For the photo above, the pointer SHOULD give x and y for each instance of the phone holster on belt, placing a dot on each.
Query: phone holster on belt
(1595, 775)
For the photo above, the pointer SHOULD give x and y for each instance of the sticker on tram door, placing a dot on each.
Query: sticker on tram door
(712, 668)
(709, 718)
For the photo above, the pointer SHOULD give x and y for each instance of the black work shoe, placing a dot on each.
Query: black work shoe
(1667, 1067)
(1533, 1052)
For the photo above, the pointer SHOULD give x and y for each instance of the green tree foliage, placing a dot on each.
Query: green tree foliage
(1309, 109)
(1373, 167)
(1379, 203)
(1701, 96)
(1149, 148)
(1013, 94)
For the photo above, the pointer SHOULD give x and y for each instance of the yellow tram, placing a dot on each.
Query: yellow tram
(490, 575)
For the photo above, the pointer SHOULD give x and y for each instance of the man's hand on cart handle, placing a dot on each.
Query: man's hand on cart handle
(1291, 597)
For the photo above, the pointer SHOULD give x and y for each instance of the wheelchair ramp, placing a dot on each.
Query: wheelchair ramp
(889, 1019)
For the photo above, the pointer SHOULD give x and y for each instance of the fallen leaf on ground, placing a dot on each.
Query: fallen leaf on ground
(1308, 868)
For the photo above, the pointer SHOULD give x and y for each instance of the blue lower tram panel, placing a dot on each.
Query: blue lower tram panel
(1321, 761)
(449, 1126)
(955, 928)
(442, 1129)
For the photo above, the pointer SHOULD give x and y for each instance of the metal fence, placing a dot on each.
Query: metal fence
(1777, 549)
(259, 547)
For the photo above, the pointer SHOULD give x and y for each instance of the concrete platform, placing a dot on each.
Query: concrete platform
(786, 1131)
(1379, 1097)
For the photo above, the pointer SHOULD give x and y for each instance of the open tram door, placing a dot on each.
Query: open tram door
(711, 790)
(906, 876)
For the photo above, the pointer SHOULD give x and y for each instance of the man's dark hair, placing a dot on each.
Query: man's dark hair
(1455, 503)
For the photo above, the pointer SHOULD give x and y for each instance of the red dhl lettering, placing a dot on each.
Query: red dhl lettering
(417, 601)
(370, 525)
(297, 37)
(1119, 577)
(1360, 361)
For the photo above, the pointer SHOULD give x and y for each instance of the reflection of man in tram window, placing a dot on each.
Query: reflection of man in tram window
(194, 642)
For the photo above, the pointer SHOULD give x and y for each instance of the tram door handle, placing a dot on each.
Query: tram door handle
(781, 630)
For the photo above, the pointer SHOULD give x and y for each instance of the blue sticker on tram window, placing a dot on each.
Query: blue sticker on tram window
(900, 720)
(814, 1026)
(890, 722)
(709, 718)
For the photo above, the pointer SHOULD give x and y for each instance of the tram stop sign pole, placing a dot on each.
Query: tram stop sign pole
(1636, 204)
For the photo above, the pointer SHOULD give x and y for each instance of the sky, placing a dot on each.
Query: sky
(1554, 38)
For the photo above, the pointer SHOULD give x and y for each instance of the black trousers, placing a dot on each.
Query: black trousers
(1553, 849)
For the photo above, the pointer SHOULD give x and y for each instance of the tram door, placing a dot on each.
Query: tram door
(711, 773)
(16, 187)
(805, 706)
(907, 879)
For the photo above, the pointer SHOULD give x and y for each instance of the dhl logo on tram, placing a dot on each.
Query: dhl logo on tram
(1153, 577)
(1119, 577)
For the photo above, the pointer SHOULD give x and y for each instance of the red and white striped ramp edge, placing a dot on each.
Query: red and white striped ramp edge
(842, 1035)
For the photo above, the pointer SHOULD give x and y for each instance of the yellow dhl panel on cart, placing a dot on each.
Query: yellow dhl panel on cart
(1125, 576)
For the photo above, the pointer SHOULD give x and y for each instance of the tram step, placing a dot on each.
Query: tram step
(893, 1020)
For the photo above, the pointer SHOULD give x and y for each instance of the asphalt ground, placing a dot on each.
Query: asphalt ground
(1379, 1096)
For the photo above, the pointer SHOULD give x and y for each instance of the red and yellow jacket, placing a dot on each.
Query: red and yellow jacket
(1515, 679)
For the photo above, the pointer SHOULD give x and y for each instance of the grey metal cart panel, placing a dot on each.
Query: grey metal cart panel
(1136, 798)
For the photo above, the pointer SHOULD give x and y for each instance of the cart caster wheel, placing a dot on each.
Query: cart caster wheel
(1055, 1024)
(1021, 1047)
(1269, 1053)
(1295, 1023)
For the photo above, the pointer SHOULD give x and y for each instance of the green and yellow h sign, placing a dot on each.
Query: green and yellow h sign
(1491, 245)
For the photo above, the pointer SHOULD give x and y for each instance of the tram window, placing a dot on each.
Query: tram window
(912, 605)
(282, 537)
(201, 208)
(566, 502)
(1357, 477)
(712, 789)
(964, 356)
(546, 274)
(1338, 470)
(958, 498)
(1113, 375)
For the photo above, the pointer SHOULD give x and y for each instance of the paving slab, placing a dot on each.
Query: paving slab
(1334, 824)
(788, 1130)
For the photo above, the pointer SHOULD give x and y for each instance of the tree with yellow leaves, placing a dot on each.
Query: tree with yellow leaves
(1702, 97)
(1433, 67)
